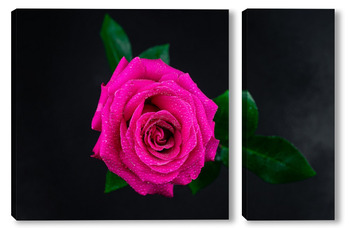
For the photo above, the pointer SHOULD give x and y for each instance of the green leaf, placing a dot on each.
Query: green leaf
(224, 155)
(113, 182)
(275, 160)
(208, 174)
(249, 116)
(157, 52)
(221, 118)
(116, 42)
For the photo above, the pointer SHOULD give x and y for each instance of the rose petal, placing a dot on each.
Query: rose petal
(149, 108)
(129, 156)
(190, 144)
(211, 148)
(168, 88)
(134, 70)
(154, 136)
(112, 115)
(193, 165)
(142, 153)
(121, 96)
(123, 63)
(188, 84)
(96, 149)
(147, 154)
(172, 76)
(171, 166)
(162, 189)
(145, 173)
(96, 120)
(163, 115)
(202, 120)
(156, 68)
(140, 97)
(180, 109)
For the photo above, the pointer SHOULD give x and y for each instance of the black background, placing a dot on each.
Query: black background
(59, 63)
(288, 67)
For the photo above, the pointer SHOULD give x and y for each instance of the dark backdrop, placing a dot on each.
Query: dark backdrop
(59, 63)
(288, 67)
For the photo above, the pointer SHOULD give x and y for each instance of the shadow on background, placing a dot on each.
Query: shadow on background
(288, 67)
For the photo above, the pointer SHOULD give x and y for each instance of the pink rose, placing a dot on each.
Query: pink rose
(156, 126)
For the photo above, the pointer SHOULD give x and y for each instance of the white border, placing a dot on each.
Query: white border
(236, 8)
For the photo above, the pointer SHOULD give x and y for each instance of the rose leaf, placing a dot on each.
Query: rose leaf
(116, 42)
(249, 116)
(157, 52)
(113, 182)
(275, 160)
(208, 174)
(221, 118)
(224, 155)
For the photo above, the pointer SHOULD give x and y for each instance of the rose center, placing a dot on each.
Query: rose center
(159, 138)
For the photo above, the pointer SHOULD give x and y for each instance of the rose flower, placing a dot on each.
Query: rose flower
(156, 126)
